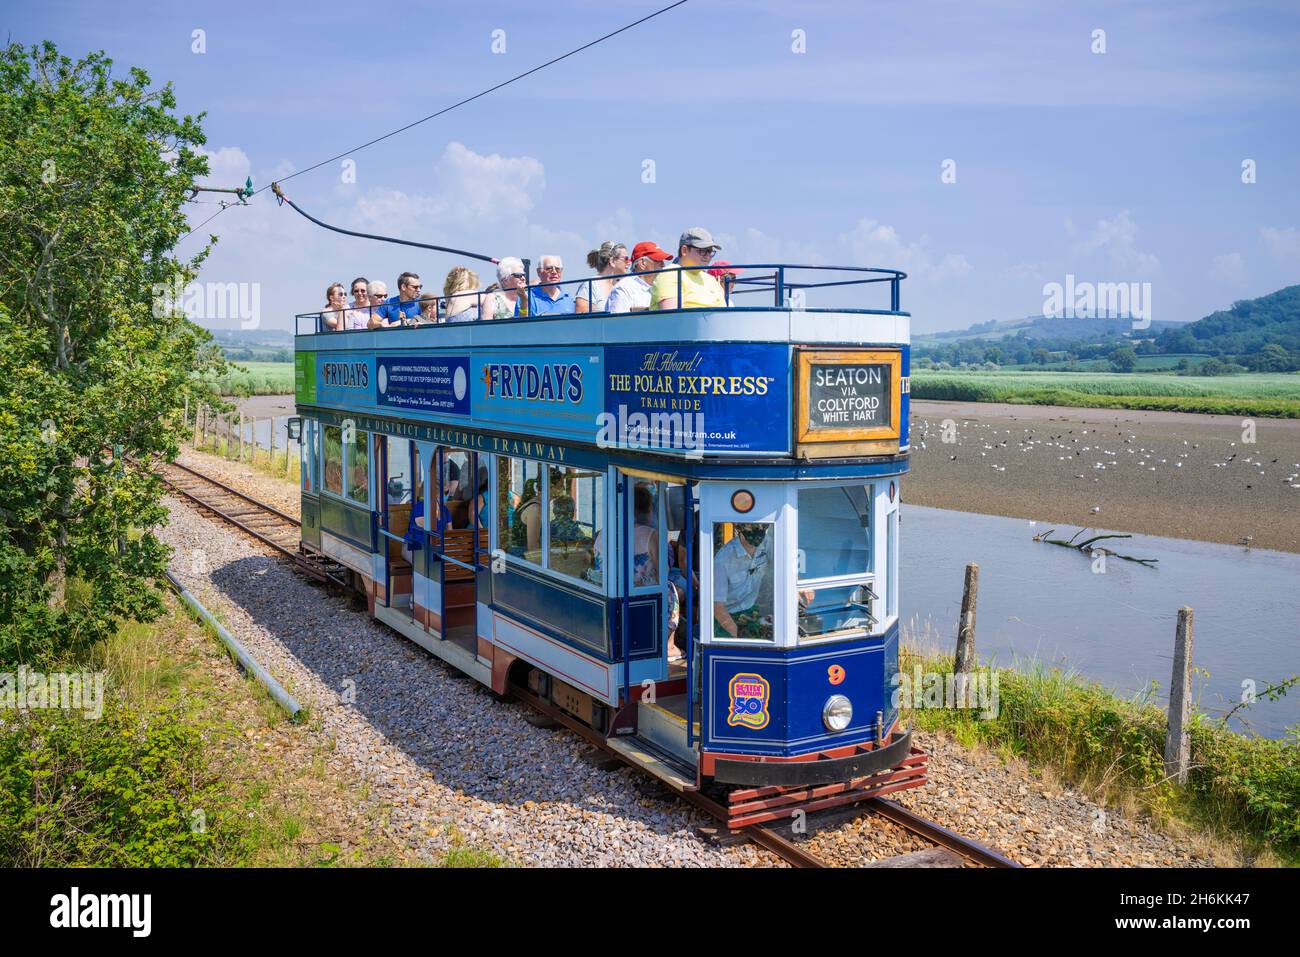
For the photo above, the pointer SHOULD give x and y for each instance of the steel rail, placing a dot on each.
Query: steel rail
(294, 555)
(937, 833)
(226, 488)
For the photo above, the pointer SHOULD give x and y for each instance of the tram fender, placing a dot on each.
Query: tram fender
(828, 771)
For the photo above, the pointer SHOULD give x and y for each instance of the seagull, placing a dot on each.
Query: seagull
(1095, 509)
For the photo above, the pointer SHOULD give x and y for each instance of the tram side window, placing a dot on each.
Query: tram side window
(645, 533)
(837, 590)
(306, 455)
(519, 508)
(399, 469)
(744, 603)
(575, 516)
(332, 448)
(358, 457)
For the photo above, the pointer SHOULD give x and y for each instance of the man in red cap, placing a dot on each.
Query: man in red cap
(632, 293)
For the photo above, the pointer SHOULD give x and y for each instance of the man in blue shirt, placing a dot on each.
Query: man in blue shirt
(404, 307)
(548, 298)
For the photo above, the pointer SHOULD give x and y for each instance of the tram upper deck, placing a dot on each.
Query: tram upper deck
(777, 387)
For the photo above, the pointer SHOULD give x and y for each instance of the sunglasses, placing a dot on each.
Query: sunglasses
(550, 269)
(516, 275)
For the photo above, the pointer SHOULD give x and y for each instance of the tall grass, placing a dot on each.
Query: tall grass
(257, 378)
(1241, 787)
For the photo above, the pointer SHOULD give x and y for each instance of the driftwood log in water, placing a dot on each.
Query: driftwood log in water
(1087, 545)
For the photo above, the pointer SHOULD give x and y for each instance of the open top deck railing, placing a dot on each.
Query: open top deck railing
(763, 286)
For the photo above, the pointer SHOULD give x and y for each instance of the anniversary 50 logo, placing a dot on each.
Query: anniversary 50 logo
(748, 698)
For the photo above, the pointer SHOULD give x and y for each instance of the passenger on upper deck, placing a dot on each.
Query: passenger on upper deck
(511, 276)
(632, 293)
(461, 290)
(378, 293)
(610, 262)
(695, 248)
(549, 298)
(335, 304)
(358, 317)
(405, 305)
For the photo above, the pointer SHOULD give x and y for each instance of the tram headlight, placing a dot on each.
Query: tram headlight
(837, 713)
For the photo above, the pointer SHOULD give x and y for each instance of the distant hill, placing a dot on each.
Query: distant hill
(1260, 335)
(1244, 329)
(255, 345)
(1050, 327)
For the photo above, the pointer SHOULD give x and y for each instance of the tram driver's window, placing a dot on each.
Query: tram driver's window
(743, 598)
(358, 458)
(836, 586)
(333, 459)
(575, 511)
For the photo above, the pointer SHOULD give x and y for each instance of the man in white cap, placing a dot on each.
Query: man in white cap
(690, 286)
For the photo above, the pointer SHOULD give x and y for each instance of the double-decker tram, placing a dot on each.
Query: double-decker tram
(678, 529)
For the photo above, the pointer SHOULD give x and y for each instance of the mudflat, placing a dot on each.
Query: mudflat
(1204, 477)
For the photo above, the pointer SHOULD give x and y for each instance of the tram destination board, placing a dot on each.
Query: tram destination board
(849, 396)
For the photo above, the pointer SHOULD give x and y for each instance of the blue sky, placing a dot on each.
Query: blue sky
(1122, 166)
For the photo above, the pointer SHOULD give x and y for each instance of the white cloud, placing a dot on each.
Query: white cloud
(872, 243)
(1282, 243)
(228, 166)
(1228, 266)
(1022, 272)
(1117, 238)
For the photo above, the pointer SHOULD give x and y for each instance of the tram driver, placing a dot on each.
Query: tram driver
(740, 568)
(742, 585)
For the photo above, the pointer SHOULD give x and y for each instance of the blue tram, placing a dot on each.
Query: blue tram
(679, 529)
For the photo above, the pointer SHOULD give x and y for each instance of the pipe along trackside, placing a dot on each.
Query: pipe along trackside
(246, 660)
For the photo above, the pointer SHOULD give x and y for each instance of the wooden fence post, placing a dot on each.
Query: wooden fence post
(185, 417)
(965, 659)
(241, 435)
(1178, 742)
(272, 443)
(198, 413)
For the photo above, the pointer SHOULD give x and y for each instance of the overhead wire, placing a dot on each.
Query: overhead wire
(460, 103)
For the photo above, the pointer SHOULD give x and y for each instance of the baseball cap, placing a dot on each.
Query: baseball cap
(651, 251)
(699, 238)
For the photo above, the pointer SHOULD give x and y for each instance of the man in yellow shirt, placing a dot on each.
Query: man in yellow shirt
(689, 282)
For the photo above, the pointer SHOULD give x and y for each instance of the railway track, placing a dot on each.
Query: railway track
(280, 532)
(270, 526)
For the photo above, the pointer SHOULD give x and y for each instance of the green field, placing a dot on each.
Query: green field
(257, 378)
(1267, 394)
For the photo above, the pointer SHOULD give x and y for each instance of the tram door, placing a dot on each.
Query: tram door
(458, 542)
(400, 503)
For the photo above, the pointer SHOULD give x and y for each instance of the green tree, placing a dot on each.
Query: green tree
(1041, 355)
(95, 171)
(1123, 359)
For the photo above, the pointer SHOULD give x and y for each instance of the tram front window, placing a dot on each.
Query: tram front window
(837, 589)
(743, 599)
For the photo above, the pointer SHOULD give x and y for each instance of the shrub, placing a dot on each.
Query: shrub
(121, 791)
